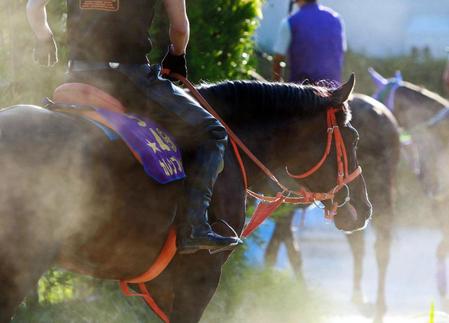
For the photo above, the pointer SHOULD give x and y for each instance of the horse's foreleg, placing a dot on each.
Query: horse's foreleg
(161, 289)
(18, 275)
(357, 242)
(295, 257)
(271, 252)
(11, 297)
(293, 250)
(441, 267)
(26, 253)
(382, 246)
(442, 251)
(195, 283)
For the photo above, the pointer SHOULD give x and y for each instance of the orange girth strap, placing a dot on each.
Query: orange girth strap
(164, 258)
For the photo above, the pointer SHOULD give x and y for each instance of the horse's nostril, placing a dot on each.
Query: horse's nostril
(349, 219)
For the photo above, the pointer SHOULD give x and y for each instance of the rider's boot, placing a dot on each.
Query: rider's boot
(194, 231)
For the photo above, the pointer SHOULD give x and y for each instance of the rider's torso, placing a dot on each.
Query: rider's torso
(109, 30)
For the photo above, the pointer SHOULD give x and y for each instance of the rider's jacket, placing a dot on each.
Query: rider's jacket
(109, 30)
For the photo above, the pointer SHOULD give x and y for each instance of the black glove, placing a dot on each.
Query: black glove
(174, 64)
(46, 52)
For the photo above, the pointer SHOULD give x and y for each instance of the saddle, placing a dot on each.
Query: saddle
(152, 146)
(86, 95)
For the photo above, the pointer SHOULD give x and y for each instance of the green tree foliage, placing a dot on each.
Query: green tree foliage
(22, 81)
(221, 45)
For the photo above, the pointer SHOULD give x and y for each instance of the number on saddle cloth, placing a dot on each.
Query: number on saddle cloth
(153, 146)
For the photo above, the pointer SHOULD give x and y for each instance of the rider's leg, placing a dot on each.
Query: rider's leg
(198, 132)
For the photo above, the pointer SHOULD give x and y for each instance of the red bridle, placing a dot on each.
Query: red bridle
(304, 196)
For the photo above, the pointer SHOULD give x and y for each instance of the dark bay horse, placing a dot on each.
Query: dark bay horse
(72, 198)
(378, 154)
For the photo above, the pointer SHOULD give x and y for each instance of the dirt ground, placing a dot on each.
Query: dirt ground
(327, 263)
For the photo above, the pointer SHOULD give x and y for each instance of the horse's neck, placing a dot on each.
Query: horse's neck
(259, 140)
(414, 112)
(275, 145)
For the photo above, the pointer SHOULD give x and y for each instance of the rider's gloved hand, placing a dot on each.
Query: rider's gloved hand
(174, 63)
(46, 52)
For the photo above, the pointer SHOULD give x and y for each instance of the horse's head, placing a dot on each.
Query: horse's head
(287, 125)
(338, 173)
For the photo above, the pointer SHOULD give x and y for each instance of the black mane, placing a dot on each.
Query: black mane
(249, 100)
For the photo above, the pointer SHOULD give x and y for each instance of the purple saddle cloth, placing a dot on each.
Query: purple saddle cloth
(151, 145)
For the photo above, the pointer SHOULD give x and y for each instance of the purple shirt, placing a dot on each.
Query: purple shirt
(317, 44)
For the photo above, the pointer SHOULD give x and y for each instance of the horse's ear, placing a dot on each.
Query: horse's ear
(341, 94)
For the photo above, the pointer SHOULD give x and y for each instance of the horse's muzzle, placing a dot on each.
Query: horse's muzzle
(348, 219)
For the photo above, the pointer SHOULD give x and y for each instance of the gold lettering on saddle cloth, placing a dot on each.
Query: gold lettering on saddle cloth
(167, 139)
(140, 122)
(103, 5)
(160, 139)
(152, 145)
(171, 165)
